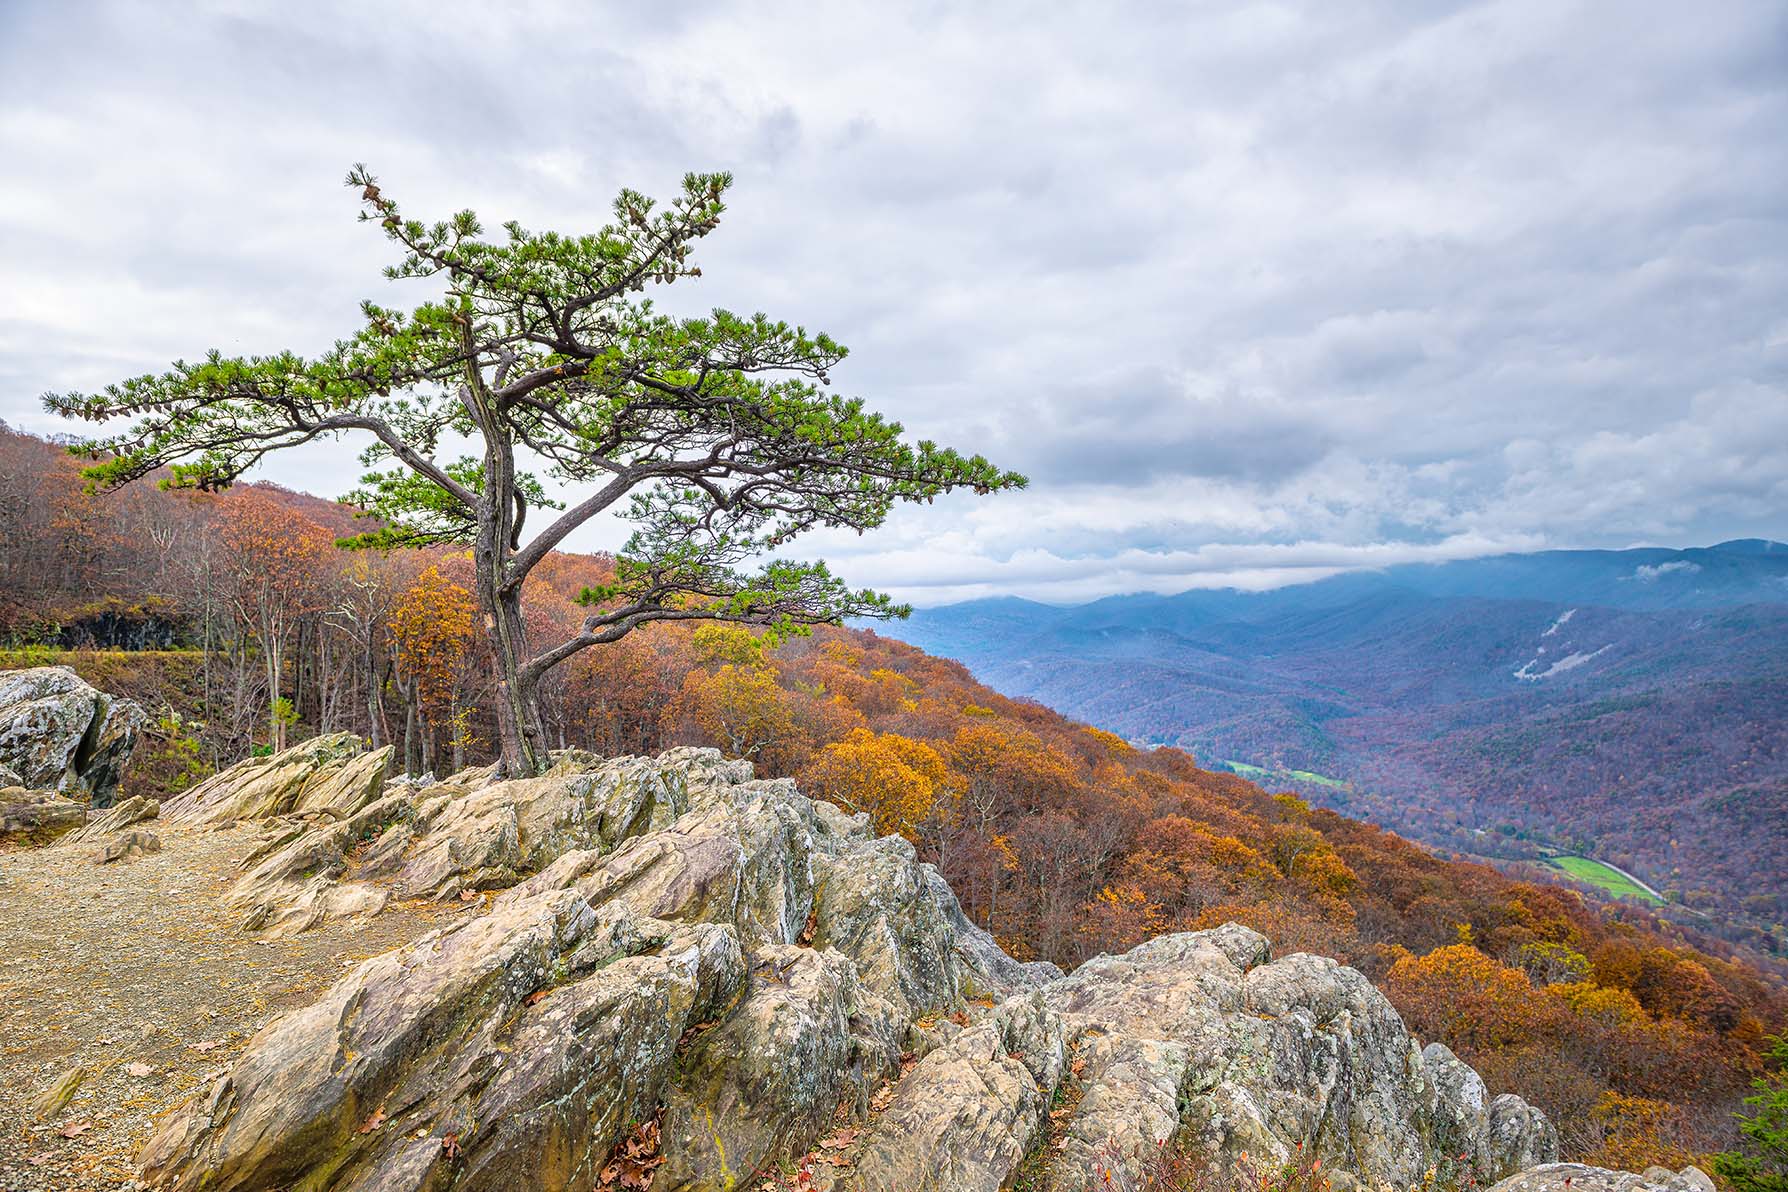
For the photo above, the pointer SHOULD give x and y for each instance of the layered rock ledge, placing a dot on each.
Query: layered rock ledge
(719, 971)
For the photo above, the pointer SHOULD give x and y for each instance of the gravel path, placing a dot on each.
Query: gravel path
(133, 973)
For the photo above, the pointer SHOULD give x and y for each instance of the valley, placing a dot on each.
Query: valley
(1620, 705)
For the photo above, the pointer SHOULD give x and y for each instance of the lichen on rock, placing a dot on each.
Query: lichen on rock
(59, 733)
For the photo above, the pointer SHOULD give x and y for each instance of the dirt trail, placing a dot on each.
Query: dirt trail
(133, 964)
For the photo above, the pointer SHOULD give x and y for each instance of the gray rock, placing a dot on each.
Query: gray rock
(1520, 1137)
(1576, 1177)
(754, 965)
(761, 1085)
(59, 733)
(1199, 1039)
(969, 1111)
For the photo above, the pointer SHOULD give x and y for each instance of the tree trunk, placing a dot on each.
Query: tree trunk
(412, 751)
(375, 684)
(521, 739)
(520, 736)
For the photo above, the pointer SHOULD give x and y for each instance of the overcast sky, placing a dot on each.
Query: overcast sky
(1250, 292)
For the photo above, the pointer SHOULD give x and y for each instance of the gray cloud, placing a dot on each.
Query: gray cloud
(1255, 293)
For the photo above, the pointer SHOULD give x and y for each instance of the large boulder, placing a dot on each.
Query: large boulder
(1201, 1041)
(59, 733)
(753, 972)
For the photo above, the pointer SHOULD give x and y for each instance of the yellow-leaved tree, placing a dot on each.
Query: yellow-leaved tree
(900, 782)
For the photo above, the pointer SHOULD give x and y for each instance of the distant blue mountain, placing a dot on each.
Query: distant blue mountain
(1632, 703)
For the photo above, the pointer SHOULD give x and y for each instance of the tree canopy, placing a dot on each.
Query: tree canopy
(717, 437)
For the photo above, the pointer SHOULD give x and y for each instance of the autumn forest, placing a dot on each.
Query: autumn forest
(238, 622)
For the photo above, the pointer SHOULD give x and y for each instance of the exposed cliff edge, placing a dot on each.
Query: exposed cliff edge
(753, 972)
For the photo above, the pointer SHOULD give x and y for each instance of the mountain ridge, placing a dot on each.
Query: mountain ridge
(1608, 702)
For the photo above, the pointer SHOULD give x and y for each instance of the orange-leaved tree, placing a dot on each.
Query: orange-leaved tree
(900, 782)
(434, 629)
(276, 556)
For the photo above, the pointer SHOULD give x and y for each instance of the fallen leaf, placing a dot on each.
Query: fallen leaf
(373, 1122)
(467, 895)
(138, 1069)
(40, 1159)
(74, 1129)
(535, 998)
(208, 1045)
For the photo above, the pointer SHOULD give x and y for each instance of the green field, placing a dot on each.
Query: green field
(1261, 772)
(1598, 874)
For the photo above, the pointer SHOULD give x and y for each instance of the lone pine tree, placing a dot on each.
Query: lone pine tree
(716, 437)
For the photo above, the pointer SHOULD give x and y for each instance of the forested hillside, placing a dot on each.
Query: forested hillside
(1626, 705)
(237, 621)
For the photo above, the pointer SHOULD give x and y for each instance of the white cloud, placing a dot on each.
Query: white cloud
(1252, 292)
(1647, 574)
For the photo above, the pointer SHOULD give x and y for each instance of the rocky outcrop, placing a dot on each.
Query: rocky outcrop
(1201, 1040)
(439, 840)
(331, 776)
(58, 733)
(688, 967)
(117, 818)
(1575, 1177)
(753, 972)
